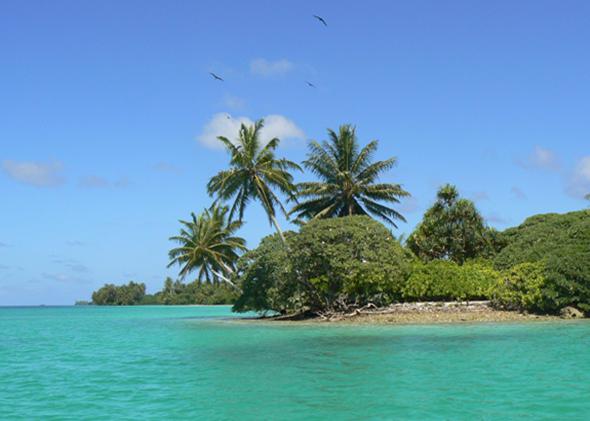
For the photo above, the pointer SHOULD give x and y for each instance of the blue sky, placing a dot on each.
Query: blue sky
(107, 115)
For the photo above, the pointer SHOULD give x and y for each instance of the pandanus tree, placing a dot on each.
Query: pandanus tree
(452, 229)
(254, 174)
(348, 180)
(208, 243)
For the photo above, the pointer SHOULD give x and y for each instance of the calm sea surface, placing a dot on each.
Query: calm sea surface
(196, 363)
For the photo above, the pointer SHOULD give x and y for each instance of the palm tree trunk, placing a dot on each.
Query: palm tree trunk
(219, 275)
(278, 228)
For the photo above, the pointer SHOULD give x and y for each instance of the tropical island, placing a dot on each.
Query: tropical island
(345, 261)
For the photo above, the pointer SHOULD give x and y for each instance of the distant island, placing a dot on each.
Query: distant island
(343, 262)
(172, 293)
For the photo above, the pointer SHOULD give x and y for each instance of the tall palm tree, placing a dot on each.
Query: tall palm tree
(253, 174)
(348, 180)
(207, 242)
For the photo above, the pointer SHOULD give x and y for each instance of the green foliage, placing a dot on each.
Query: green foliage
(110, 294)
(331, 264)
(208, 243)
(149, 300)
(453, 229)
(178, 293)
(522, 287)
(173, 293)
(266, 277)
(562, 244)
(447, 280)
(545, 236)
(568, 281)
(348, 260)
(253, 174)
(348, 180)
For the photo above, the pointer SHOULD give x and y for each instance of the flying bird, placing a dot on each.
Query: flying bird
(321, 19)
(215, 76)
(311, 85)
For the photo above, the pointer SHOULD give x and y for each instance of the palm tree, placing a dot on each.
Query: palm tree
(207, 243)
(253, 174)
(348, 180)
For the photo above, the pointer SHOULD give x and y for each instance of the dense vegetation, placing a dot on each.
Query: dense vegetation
(176, 292)
(341, 259)
(123, 295)
(446, 280)
(546, 236)
(331, 265)
(345, 263)
(341, 263)
(560, 247)
(172, 293)
(452, 229)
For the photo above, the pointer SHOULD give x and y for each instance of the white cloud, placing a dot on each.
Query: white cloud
(541, 158)
(222, 124)
(266, 68)
(579, 183)
(36, 174)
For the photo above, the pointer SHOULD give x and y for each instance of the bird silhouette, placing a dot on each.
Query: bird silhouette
(311, 85)
(215, 76)
(320, 19)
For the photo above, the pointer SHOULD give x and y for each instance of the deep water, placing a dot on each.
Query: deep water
(196, 363)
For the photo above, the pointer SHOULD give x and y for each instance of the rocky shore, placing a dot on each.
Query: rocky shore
(431, 312)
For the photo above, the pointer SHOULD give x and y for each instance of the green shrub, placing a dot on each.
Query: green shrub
(346, 261)
(562, 243)
(447, 280)
(521, 288)
(266, 278)
(541, 237)
(330, 264)
(568, 281)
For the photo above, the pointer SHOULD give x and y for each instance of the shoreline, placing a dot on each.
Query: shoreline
(419, 313)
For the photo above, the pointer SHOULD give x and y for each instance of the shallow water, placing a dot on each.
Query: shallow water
(195, 363)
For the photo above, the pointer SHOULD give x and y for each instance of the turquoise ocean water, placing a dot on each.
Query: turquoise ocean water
(196, 363)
